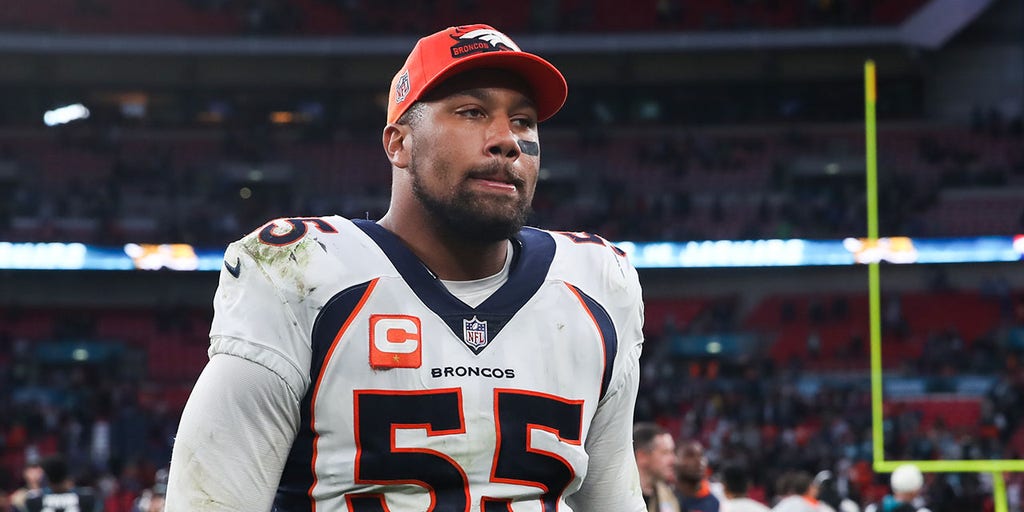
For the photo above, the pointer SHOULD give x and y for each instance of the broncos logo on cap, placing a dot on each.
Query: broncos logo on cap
(481, 40)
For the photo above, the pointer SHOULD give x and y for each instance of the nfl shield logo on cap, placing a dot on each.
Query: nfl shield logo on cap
(474, 333)
(402, 87)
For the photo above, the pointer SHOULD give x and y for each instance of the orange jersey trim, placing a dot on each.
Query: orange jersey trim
(319, 380)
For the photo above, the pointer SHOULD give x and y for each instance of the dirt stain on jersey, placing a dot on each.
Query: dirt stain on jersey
(285, 265)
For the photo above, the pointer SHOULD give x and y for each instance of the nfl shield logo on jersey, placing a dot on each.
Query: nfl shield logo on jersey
(474, 333)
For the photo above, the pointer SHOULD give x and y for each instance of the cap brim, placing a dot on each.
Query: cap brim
(549, 87)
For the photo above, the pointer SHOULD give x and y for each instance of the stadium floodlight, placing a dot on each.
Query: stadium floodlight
(65, 114)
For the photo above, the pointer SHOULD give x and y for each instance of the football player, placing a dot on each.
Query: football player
(443, 358)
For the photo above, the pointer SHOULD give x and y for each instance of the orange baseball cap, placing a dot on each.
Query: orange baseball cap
(454, 50)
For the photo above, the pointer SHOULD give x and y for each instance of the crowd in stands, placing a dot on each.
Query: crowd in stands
(112, 425)
(775, 413)
(207, 187)
(113, 417)
(345, 17)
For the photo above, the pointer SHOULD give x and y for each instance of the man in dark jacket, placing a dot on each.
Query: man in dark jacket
(60, 493)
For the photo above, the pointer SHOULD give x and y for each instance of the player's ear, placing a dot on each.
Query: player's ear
(396, 138)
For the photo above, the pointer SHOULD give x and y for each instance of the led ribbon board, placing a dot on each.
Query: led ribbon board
(667, 255)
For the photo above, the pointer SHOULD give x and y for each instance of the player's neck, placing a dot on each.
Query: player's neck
(447, 258)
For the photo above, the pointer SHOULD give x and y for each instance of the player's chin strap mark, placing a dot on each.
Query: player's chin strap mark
(529, 147)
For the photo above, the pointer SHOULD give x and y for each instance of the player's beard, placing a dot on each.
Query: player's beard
(467, 216)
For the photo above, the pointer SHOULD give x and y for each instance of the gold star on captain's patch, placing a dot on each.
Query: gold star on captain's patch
(395, 357)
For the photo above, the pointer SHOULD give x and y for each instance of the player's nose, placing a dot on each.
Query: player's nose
(502, 142)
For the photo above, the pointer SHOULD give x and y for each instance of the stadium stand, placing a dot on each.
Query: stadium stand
(333, 17)
(724, 184)
(143, 361)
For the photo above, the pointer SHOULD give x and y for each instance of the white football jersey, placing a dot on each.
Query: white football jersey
(410, 399)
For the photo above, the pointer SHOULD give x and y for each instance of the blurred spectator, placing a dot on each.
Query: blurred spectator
(906, 482)
(893, 322)
(813, 494)
(60, 492)
(152, 499)
(798, 491)
(33, 478)
(829, 493)
(736, 481)
(655, 451)
(122, 486)
(692, 486)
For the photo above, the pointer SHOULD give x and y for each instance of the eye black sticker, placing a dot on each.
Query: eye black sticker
(529, 147)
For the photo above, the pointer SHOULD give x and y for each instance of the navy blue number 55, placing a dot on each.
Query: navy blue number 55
(440, 413)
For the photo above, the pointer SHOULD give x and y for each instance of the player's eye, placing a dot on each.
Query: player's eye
(525, 122)
(473, 112)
